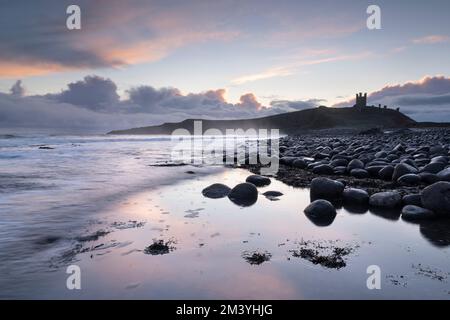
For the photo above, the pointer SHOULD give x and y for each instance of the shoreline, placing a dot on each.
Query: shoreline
(172, 232)
(405, 162)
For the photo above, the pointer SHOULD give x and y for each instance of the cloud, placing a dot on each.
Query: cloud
(17, 89)
(427, 99)
(168, 101)
(424, 100)
(114, 34)
(428, 85)
(93, 104)
(34, 39)
(248, 101)
(295, 65)
(92, 92)
(267, 74)
(288, 105)
(432, 39)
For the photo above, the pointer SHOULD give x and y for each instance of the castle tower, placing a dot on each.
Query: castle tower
(361, 100)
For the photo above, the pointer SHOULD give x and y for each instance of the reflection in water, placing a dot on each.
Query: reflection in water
(437, 232)
(242, 202)
(356, 209)
(388, 214)
(321, 220)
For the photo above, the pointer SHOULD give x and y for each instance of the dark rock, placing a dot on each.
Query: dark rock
(437, 198)
(381, 154)
(300, 163)
(287, 160)
(359, 173)
(355, 196)
(440, 159)
(355, 164)
(399, 148)
(320, 156)
(437, 150)
(444, 175)
(388, 199)
(428, 178)
(244, 194)
(216, 191)
(374, 170)
(402, 169)
(386, 173)
(371, 131)
(272, 195)
(323, 169)
(413, 199)
(321, 212)
(412, 213)
(340, 170)
(339, 163)
(258, 180)
(433, 167)
(324, 188)
(410, 179)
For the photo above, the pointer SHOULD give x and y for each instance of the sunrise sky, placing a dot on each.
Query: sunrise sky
(175, 59)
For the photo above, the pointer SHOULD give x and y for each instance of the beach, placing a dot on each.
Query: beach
(140, 228)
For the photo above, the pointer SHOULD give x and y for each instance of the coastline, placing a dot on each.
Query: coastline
(271, 241)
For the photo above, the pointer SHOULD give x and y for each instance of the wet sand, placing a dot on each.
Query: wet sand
(270, 250)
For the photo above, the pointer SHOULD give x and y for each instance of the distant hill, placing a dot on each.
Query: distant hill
(293, 122)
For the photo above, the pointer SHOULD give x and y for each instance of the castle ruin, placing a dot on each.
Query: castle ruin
(361, 102)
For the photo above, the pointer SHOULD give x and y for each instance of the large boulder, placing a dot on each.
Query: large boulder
(386, 172)
(216, 191)
(300, 163)
(438, 150)
(433, 167)
(359, 173)
(409, 179)
(287, 160)
(437, 198)
(402, 169)
(388, 199)
(339, 163)
(323, 169)
(381, 154)
(324, 188)
(414, 213)
(444, 175)
(355, 164)
(321, 212)
(340, 170)
(244, 194)
(374, 170)
(414, 199)
(258, 180)
(428, 178)
(355, 196)
(442, 159)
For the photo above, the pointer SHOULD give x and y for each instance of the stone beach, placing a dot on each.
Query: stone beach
(405, 169)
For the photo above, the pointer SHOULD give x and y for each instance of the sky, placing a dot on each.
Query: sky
(147, 62)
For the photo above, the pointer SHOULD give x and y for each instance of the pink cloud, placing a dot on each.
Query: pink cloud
(432, 39)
